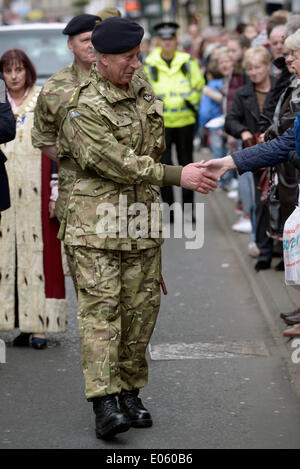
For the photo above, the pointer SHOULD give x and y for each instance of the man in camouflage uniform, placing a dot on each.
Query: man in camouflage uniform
(52, 101)
(113, 133)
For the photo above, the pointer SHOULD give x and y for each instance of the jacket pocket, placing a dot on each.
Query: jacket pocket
(155, 110)
(121, 126)
(87, 268)
(90, 201)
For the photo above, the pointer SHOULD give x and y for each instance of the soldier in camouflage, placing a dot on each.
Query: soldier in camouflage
(52, 101)
(113, 136)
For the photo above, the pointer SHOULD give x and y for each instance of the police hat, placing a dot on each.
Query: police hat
(166, 30)
(81, 24)
(117, 35)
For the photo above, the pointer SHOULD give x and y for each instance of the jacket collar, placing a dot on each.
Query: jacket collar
(248, 88)
(111, 92)
(77, 73)
(294, 81)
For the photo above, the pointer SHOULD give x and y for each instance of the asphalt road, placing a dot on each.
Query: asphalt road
(219, 374)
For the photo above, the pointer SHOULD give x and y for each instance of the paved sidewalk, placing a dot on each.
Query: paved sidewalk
(272, 294)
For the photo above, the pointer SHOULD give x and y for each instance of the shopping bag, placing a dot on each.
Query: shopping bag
(291, 248)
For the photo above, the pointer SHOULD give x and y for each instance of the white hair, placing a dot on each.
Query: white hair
(293, 41)
(292, 25)
(97, 55)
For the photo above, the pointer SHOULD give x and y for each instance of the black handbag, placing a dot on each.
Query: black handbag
(274, 219)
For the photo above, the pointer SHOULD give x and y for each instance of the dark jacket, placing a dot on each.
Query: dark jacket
(7, 133)
(244, 113)
(266, 154)
(288, 175)
(282, 82)
(286, 110)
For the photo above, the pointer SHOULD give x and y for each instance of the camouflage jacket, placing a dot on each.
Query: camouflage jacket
(48, 115)
(51, 104)
(113, 140)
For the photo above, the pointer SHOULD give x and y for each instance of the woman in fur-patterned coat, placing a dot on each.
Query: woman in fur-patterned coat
(32, 291)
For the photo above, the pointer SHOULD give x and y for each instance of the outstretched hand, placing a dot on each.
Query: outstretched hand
(196, 177)
(219, 166)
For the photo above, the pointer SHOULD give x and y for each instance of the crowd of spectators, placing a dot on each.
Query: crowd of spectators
(251, 96)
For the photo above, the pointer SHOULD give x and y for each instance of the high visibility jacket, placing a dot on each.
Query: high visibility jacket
(178, 86)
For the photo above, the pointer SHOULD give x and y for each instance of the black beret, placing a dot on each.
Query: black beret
(81, 24)
(166, 30)
(117, 35)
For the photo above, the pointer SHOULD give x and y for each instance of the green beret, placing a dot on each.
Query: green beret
(108, 12)
(81, 24)
(117, 35)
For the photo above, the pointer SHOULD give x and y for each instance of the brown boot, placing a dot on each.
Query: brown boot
(291, 313)
(292, 331)
(293, 320)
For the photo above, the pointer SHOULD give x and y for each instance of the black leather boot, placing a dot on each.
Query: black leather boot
(132, 405)
(109, 419)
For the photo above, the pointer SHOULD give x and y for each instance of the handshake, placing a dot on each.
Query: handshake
(203, 176)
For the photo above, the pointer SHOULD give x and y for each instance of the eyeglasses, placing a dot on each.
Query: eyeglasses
(291, 53)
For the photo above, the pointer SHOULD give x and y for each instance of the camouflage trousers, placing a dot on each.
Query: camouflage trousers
(118, 303)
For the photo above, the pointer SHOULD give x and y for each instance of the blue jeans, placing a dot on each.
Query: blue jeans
(218, 147)
(247, 195)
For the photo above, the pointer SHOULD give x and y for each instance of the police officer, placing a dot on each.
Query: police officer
(7, 133)
(55, 94)
(113, 133)
(177, 80)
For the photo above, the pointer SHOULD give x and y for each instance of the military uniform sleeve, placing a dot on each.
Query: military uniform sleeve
(44, 131)
(94, 147)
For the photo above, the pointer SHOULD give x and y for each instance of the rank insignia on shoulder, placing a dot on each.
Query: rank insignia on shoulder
(147, 97)
(74, 114)
(73, 95)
